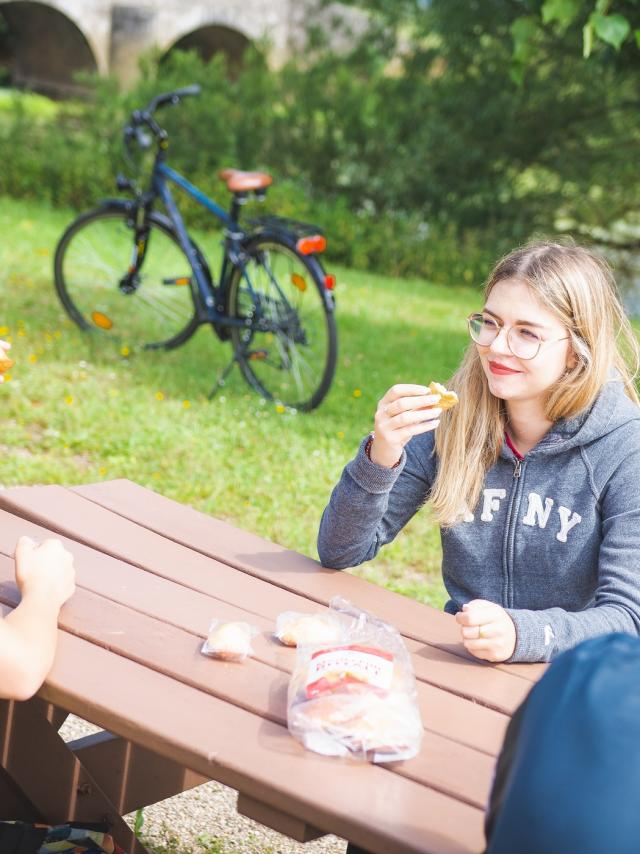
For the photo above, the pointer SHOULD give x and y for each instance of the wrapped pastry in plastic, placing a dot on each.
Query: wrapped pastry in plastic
(229, 641)
(356, 697)
(295, 629)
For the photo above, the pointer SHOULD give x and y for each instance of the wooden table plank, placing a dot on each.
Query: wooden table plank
(276, 564)
(253, 686)
(443, 712)
(384, 812)
(63, 511)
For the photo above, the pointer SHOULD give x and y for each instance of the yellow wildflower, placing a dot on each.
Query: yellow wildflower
(186, 404)
(357, 392)
(32, 358)
(280, 409)
(159, 395)
(125, 351)
(69, 400)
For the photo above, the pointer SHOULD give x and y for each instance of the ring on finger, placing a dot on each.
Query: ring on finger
(481, 633)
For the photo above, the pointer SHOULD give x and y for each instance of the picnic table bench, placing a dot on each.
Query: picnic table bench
(151, 574)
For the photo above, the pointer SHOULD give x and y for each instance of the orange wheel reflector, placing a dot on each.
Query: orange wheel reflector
(298, 282)
(101, 320)
(329, 282)
(183, 280)
(312, 243)
(257, 355)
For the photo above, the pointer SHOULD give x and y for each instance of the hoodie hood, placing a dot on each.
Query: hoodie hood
(611, 410)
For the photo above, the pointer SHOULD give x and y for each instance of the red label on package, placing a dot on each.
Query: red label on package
(341, 667)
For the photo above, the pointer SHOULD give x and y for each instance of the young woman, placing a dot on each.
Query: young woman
(45, 578)
(535, 475)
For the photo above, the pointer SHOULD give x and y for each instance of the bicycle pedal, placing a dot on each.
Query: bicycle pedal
(179, 281)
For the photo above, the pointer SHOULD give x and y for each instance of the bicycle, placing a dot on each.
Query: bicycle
(130, 272)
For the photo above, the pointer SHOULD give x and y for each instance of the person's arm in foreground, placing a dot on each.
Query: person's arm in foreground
(377, 496)
(45, 577)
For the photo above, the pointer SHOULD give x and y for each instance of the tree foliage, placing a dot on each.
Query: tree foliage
(476, 123)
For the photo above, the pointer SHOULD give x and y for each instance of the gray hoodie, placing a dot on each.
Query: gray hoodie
(555, 539)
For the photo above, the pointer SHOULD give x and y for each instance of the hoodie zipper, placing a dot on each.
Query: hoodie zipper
(510, 534)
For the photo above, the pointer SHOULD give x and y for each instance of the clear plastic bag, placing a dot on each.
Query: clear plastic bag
(296, 629)
(229, 641)
(358, 696)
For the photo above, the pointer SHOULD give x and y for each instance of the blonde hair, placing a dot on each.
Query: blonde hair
(579, 288)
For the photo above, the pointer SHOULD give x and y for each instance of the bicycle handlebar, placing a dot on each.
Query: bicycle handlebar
(144, 118)
(172, 97)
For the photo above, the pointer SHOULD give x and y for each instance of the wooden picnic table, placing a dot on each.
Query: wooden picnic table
(151, 574)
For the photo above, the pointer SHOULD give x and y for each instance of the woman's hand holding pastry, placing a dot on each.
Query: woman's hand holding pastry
(404, 411)
(488, 632)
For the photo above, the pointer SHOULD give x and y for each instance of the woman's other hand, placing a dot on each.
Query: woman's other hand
(404, 412)
(45, 570)
(488, 632)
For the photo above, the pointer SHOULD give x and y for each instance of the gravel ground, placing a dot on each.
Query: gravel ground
(204, 820)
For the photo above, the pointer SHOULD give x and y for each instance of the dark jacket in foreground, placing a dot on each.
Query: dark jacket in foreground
(568, 775)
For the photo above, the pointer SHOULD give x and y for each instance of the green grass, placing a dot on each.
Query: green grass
(73, 412)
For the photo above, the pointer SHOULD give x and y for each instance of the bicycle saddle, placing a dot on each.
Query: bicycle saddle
(242, 182)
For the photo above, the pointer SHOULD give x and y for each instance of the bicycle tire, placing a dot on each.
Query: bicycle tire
(92, 257)
(273, 362)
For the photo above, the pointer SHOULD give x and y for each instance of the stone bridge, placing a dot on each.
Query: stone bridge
(43, 44)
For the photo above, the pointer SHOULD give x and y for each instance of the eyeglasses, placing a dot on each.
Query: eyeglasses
(523, 342)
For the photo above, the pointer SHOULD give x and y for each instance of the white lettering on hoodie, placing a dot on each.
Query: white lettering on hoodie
(491, 503)
(567, 521)
(535, 514)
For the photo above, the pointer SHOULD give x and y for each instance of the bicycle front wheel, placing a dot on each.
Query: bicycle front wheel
(150, 307)
(287, 350)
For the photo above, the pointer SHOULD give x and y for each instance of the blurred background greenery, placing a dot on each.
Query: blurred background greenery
(443, 135)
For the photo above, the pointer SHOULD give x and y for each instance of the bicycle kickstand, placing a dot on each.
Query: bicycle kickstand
(222, 379)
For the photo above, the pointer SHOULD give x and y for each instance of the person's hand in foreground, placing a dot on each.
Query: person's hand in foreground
(46, 579)
(488, 632)
(405, 411)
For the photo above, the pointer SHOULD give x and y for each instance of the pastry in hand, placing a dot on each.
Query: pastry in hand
(5, 362)
(448, 399)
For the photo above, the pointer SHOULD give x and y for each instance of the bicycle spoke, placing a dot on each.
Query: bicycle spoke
(96, 260)
(298, 356)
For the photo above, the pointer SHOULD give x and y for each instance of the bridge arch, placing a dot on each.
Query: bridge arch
(42, 46)
(210, 39)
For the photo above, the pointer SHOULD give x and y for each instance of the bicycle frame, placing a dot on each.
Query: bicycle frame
(212, 297)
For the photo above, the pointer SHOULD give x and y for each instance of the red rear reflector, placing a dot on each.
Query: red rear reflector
(313, 243)
(329, 282)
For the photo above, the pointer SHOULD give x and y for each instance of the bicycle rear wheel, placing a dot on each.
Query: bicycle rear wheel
(287, 351)
(154, 307)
